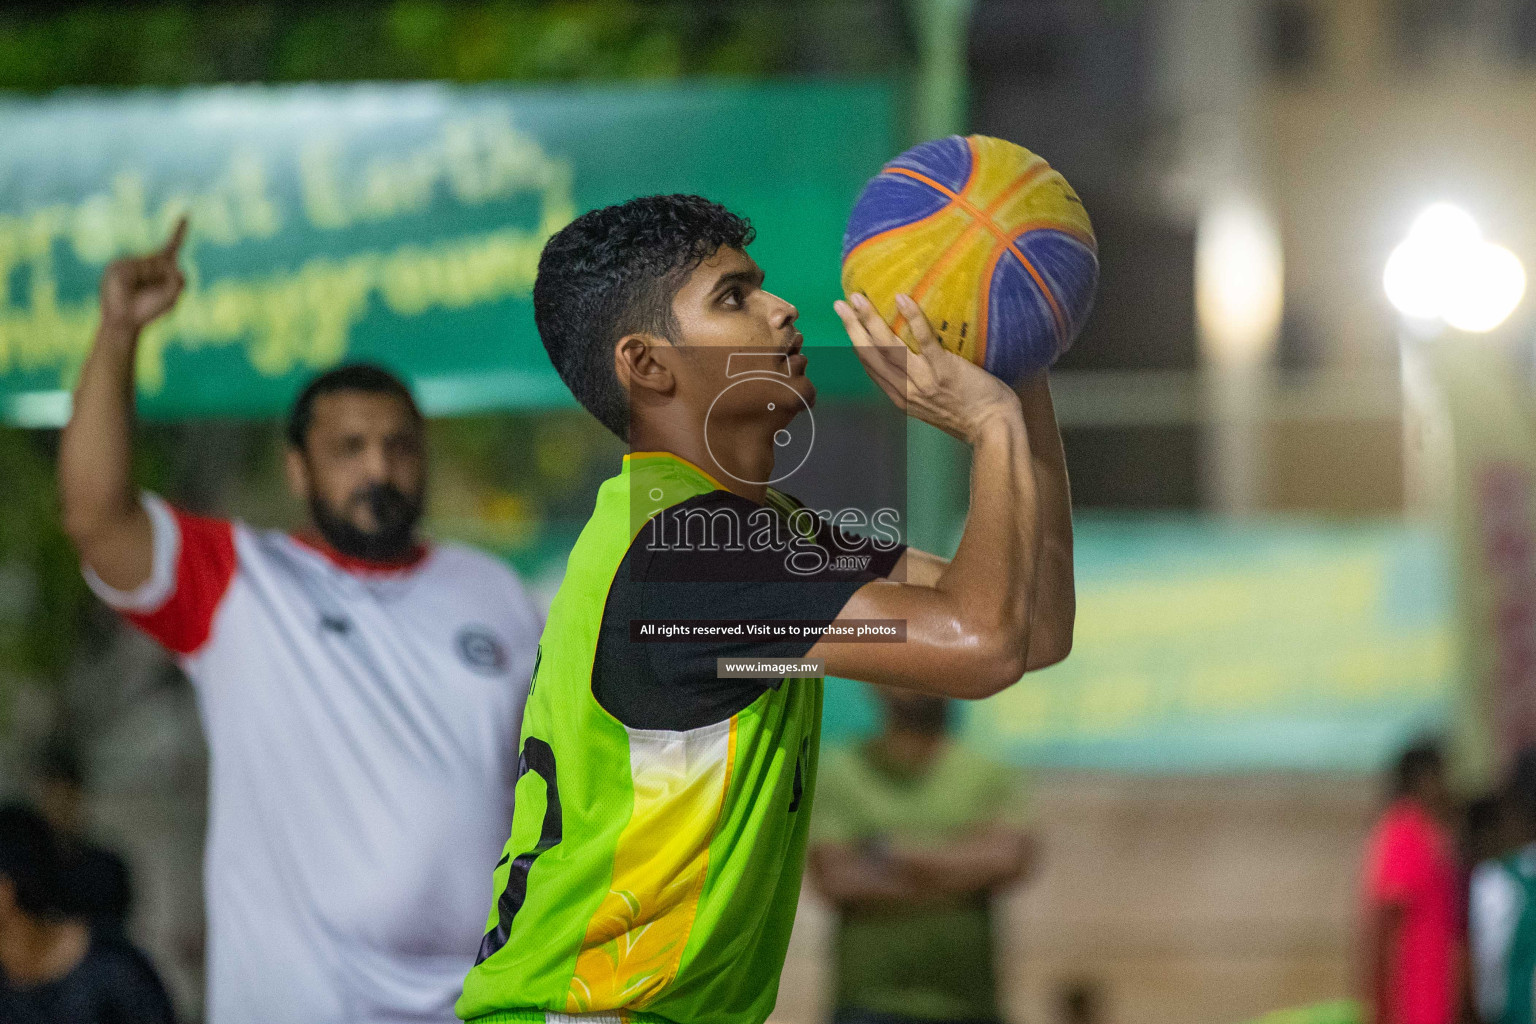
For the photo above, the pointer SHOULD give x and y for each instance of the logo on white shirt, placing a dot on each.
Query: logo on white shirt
(479, 648)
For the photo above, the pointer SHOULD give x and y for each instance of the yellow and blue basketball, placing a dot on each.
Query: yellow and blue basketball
(990, 241)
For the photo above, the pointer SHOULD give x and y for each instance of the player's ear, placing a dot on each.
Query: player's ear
(640, 360)
(297, 473)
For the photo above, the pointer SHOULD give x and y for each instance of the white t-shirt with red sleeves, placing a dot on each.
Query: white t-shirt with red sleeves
(362, 726)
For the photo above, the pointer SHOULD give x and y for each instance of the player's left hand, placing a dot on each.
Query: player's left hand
(932, 384)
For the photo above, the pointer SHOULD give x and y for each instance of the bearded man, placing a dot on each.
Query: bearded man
(362, 690)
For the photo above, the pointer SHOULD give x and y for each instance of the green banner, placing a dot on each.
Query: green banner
(401, 224)
(1209, 646)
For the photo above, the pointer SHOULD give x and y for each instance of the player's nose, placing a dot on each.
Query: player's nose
(784, 314)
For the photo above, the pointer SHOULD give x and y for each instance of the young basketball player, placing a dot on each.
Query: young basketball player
(659, 834)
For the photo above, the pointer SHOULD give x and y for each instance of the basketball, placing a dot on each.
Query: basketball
(991, 242)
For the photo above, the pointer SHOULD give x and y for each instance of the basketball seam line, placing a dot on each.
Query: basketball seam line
(985, 222)
(983, 336)
(872, 239)
(992, 260)
(952, 251)
(944, 257)
(984, 216)
(969, 174)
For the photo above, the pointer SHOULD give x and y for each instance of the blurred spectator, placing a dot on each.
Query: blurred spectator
(361, 689)
(1411, 947)
(912, 837)
(96, 879)
(55, 970)
(1502, 908)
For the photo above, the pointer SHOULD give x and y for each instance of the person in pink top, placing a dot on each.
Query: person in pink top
(1412, 947)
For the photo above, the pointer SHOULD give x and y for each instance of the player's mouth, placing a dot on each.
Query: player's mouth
(797, 359)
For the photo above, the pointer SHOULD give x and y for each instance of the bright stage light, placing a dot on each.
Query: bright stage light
(1445, 271)
(1484, 290)
(1411, 282)
(1445, 225)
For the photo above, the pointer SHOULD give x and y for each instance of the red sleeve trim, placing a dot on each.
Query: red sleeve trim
(205, 566)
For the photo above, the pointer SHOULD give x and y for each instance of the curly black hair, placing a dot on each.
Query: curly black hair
(613, 272)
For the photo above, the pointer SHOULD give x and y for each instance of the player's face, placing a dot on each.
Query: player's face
(732, 326)
(363, 472)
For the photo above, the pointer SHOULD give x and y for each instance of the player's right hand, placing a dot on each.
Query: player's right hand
(137, 289)
(932, 384)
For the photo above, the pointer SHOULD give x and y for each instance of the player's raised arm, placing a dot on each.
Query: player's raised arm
(1054, 611)
(972, 632)
(101, 509)
(1055, 607)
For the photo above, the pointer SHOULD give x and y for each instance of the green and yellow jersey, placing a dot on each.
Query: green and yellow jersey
(658, 840)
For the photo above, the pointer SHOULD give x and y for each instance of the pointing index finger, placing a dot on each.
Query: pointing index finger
(178, 233)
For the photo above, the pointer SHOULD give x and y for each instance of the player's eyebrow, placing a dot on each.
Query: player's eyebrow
(752, 278)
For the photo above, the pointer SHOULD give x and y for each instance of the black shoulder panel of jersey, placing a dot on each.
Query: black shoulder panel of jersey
(716, 557)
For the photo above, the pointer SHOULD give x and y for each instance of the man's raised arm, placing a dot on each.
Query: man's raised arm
(972, 632)
(101, 508)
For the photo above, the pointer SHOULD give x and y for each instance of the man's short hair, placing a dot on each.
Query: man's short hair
(615, 271)
(29, 858)
(364, 377)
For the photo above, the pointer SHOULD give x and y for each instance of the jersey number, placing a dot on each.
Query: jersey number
(539, 758)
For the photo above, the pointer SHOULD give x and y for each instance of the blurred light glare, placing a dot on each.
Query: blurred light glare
(1484, 289)
(1410, 281)
(1239, 282)
(1445, 271)
(1447, 225)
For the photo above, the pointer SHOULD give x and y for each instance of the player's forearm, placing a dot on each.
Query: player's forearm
(1054, 610)
(991, 578)
(96, 447)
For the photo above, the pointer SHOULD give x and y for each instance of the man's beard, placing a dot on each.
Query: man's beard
(396, 513)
